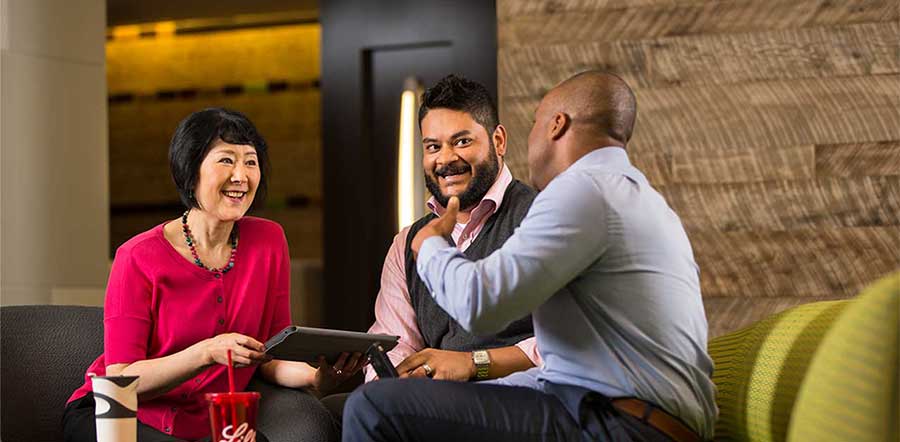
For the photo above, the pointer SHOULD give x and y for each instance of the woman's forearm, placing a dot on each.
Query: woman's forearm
(289, 373)
(160, 375)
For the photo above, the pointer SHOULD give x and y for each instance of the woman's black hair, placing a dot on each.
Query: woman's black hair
(195, 136)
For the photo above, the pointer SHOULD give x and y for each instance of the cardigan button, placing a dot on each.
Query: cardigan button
(218, 275)
(219, 299)
(221, 322)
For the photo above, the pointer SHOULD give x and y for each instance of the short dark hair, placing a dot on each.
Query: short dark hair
(460, 94)
(195, 136)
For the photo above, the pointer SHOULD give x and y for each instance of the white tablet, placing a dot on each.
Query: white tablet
(306, 344)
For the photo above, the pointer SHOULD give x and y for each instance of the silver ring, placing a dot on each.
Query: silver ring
(338, 372)
(428, 370)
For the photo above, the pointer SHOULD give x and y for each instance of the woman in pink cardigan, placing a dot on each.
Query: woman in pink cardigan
(185, 292)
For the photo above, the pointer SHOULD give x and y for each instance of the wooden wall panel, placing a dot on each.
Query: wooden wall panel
(835, 262)
(573, 22)
(863, 49)
(764, 114)
(855, 160)
(743, 165)
(771, 127)
(787, 205)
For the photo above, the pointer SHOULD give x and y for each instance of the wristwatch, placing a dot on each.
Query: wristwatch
(482, 360)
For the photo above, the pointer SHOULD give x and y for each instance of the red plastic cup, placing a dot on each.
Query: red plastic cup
(232, 416)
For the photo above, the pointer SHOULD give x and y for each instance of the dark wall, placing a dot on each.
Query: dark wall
(123, 12)
(368, 48)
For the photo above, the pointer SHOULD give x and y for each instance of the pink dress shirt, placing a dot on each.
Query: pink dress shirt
(158, 303)
(394, 314)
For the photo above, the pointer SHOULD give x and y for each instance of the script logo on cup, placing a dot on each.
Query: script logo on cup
(243, 433)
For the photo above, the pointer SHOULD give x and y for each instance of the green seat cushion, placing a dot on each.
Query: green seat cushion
(851, 389)
(759, 369)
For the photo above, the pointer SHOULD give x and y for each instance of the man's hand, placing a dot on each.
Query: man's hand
(446, 365)
(442, 226)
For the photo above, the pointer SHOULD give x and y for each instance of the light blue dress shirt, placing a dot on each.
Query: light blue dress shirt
(607, 270)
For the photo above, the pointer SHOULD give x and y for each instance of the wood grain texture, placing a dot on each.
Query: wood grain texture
(787, 205)
(835, 262)
(657, 167)
(763, 114)
(507, 10)
(820, 52)
(726, 315)
(572, 22)
(861, 159)
(743, 165)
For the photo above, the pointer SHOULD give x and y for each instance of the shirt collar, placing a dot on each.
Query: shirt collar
(613, 157)
(493, 196)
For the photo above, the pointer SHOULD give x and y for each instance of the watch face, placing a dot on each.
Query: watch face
(481, 357)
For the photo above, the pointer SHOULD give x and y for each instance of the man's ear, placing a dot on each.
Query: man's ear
(559, 125)
(499, 139)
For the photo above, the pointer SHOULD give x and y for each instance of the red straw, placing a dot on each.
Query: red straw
(231, 390)
(230, 374)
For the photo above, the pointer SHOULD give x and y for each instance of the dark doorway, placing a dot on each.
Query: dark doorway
(368, 49)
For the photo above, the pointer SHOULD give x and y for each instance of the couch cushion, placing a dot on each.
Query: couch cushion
(45, 352)
(758, 371)
(851, 389)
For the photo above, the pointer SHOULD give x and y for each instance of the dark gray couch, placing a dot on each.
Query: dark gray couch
(46, 350)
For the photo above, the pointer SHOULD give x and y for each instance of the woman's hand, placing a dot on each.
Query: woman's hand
(329, 377)
(245, 351)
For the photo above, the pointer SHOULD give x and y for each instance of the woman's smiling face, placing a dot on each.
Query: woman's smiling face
(229, 176)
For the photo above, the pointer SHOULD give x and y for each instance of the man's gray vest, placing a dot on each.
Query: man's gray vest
(440, 330)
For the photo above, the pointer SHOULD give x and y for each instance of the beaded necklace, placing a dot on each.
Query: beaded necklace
(190, 242)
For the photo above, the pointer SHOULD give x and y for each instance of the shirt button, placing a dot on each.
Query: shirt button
(221, 322)
(218, 275)
(219, 299)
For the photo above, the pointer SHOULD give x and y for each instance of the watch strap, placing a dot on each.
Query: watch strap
(482, 360)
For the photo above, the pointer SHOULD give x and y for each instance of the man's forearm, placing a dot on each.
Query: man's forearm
(507, 360)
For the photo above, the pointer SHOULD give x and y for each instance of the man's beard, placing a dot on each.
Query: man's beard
(479, 185)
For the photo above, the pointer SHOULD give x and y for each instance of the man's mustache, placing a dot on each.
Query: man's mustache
(455, 168)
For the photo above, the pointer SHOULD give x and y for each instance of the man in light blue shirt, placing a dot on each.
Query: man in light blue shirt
(608, 272)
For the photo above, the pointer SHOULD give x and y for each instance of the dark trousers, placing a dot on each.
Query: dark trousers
(424, 409)
(79, 425)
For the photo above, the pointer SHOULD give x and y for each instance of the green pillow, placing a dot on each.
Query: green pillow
(851, 390)
(758, 371)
